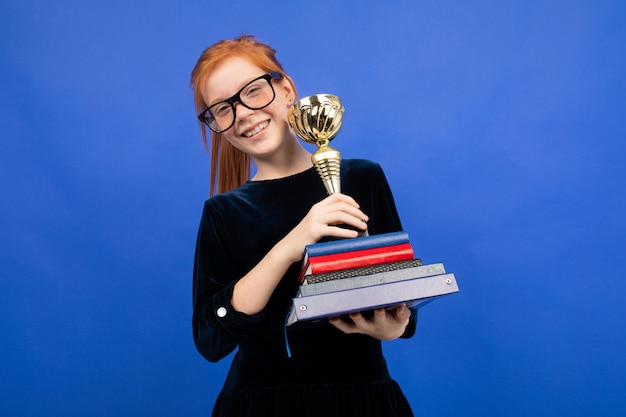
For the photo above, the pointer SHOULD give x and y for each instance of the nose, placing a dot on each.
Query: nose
(241, 111)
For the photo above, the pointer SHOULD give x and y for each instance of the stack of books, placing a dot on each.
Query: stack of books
(379, 271)
(340, 255)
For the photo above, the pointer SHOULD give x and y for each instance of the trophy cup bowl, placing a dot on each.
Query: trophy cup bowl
(317, 119)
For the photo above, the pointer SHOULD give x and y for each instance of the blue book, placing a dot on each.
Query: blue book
(357, 243)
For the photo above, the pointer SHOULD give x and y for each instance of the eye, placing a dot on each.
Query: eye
(254, 89)
(220, 109)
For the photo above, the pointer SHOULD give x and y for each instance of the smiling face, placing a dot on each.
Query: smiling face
(259, 133)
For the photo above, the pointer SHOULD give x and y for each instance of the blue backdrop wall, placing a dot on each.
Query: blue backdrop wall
(500, 125)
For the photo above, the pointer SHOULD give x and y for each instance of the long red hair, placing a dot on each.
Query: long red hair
(230, 167)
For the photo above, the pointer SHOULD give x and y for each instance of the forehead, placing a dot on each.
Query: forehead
(227, 78)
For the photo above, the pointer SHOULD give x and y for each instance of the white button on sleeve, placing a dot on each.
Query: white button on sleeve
(221, 312)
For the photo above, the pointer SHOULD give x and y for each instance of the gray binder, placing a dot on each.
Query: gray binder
(414, 286)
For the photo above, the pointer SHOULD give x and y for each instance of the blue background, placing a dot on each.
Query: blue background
(500, 125)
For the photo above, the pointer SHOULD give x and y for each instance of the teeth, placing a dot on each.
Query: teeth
(256, 130)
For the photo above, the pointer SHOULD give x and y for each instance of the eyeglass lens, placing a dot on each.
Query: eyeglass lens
(255, 95)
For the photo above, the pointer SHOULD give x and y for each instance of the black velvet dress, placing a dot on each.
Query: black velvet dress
(329, 373)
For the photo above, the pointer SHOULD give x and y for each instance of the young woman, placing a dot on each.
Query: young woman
(251, 239)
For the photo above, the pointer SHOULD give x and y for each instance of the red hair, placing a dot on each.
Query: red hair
(230, 167)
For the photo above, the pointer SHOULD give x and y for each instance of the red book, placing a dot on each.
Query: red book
(356, 259)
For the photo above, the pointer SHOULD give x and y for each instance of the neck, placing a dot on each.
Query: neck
(292, 160)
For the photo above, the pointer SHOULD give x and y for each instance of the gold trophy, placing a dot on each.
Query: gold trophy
(316, 120)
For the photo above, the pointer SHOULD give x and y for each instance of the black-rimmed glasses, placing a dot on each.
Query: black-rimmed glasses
(255, 95)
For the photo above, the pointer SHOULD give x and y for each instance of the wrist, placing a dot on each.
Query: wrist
(287, 251)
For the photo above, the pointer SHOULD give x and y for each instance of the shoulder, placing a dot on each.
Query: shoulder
(362, 169)
(360, 166)
(360, 177)
(220, 207)
(228, 199)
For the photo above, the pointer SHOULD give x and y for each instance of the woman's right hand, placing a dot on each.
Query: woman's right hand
(253, 291)
(322, 220)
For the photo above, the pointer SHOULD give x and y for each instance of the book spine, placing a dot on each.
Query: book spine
(357, 243)
(355, 259)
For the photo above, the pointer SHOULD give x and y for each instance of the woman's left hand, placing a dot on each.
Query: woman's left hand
(384, 325)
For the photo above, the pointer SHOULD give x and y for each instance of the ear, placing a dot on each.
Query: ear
(288, 89)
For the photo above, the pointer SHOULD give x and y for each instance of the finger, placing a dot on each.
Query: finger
(402, 311)
(343, 203)
(402, 314)
(342, 207)
(340, 232)
(360, 321)
(338, 214)
(347, 219)
(342, 325)
(339, 197)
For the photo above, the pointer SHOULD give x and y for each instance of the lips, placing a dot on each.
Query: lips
(256, 129)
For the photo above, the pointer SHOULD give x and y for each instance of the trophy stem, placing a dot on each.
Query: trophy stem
(327, 161)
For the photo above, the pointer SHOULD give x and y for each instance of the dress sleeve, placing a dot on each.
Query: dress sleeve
(217, 327)
(384, 216)
(385, 220)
